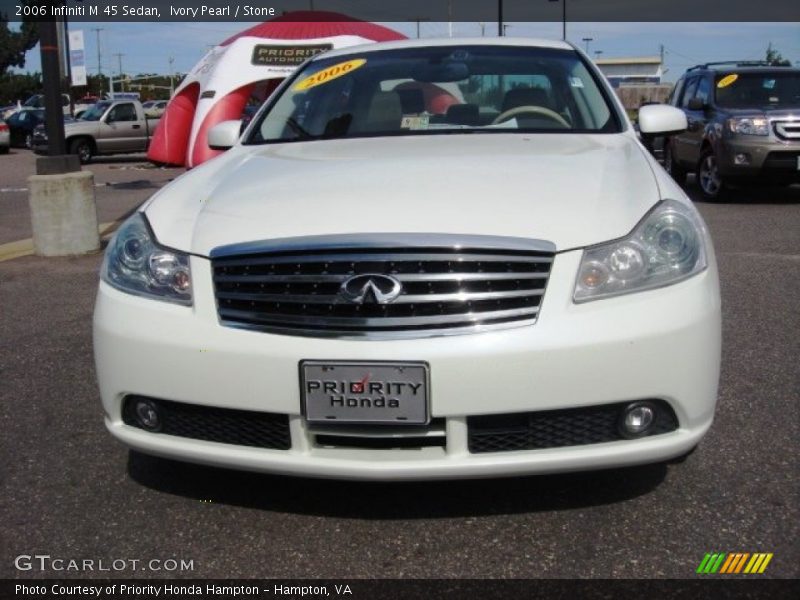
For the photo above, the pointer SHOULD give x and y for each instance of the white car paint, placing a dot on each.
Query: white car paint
(525, 175)
(574, 190)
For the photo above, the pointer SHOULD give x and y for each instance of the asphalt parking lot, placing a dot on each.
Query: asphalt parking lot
(70, 491)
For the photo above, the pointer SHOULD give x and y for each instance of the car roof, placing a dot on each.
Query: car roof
(741, 68)
(439, 42)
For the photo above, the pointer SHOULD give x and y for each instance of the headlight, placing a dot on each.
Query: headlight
(749, 125)
(664, 248)
(136, 264)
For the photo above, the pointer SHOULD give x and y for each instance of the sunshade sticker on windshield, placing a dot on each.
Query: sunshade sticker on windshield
(727, 80)
(415, 122)
(329, 74)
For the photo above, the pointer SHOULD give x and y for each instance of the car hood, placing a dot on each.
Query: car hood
(570, 189)
(769, 110)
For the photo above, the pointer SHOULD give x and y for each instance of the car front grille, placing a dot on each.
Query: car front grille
(787, 130)
(212, 424)
(557, 428)
(450, 284)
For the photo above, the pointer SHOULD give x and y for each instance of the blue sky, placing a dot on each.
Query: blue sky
(147, 46)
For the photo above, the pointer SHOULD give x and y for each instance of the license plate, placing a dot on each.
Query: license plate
(364, 392)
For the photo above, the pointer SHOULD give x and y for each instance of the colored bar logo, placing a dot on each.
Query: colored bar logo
(734, 563)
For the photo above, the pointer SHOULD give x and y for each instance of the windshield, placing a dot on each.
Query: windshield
(440, 89)
(748, 90)
(93, 113)
(36, 101)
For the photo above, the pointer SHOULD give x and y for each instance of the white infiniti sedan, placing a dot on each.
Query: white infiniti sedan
(422, 259)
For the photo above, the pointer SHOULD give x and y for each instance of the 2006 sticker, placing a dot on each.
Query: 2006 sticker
(329, 74)
(727, 80)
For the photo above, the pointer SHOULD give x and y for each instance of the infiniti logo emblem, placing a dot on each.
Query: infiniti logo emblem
(361, 289)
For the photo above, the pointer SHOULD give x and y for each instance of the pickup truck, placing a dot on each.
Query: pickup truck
(108, 127)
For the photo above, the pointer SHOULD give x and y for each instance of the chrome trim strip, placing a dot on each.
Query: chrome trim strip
(365, 257)
(403, 299)
(358, 241)
(373, 335)
(469, 318)
(405, 277)
(780, 125)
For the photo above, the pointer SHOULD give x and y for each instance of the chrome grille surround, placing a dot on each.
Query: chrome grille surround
(452, 284)
(787, 130)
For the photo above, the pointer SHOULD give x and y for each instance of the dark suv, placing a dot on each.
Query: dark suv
(744, 125)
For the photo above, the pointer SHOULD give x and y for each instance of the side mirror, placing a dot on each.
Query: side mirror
(661, 119)
(224, 135)
(696, 104)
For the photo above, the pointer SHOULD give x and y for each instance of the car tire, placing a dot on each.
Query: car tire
(83, 148)
(5, 149)
(677, 172)
(711, 183)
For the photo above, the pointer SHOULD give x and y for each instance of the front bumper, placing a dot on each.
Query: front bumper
(660, 344)
(757, 157)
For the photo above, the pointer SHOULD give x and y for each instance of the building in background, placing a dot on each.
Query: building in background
(631, 71)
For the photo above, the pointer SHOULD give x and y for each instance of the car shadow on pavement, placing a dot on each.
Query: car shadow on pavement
(400, 500)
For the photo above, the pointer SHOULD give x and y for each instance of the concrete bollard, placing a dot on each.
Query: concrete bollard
(63, 214)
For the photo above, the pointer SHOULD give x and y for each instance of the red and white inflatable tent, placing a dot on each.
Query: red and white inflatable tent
(252, 62)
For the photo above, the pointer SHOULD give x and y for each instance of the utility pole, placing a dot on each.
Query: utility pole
(500, 18)
(483, 29)
(60, 195)
(587, 40)
(449, 18)
(51, 76)
(563, 18)
(418, 20)
(97, 30)
(119, 56)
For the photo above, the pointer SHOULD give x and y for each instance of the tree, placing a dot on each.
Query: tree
(775, 58)
(19, 86)
(14, 44)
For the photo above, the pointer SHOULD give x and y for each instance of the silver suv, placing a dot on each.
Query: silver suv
(744, 126)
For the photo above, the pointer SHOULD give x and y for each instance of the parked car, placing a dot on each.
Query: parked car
(744, 126)
(5, 138)
(10, 109)
(363, 287)
(21, 125)
(37, 101)
(108, 127)
(154, 108)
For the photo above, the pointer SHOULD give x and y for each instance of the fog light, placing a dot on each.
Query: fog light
(637, 419)
(147, 415)
(741, 158)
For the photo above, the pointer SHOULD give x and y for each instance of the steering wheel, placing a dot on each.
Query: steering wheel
(537, 110)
